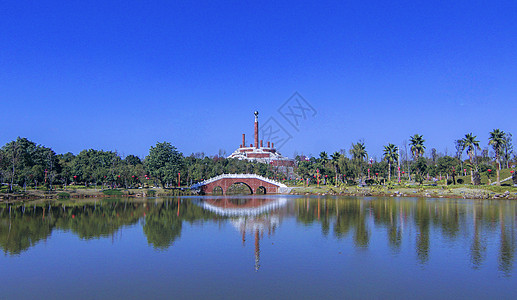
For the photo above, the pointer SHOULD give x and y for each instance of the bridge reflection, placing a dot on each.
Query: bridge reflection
(235, 207)
(488, 228)
(249, 215)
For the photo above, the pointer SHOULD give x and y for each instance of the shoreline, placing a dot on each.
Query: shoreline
(35, 195)
(448, 192)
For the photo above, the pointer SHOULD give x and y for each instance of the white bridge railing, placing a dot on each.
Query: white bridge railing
(243, 211)
(506, 179)
(238, 176)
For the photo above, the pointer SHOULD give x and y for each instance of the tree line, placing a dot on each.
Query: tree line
(409, 162)
(25, 164)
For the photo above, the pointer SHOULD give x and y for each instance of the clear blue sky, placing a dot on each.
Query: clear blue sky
(125, 74)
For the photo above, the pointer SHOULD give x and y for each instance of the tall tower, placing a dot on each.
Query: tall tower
(256, 130)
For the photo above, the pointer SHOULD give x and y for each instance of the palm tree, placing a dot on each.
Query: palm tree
(335, 156)
(417, 145)
(335, 159)
(391, 155)
(324, 157)
(497, 140)
(358, 151)
(471, 144)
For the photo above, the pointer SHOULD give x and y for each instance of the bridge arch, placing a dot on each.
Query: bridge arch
(261, 190)
(235, 186)
(217, 190)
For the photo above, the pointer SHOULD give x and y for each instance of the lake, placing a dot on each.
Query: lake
(259, 247)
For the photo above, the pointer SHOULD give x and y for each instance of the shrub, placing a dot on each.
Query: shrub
(419, 178)
(63, 195)
(112, 193)
(151, 193)
(449, 181)
(369, 181)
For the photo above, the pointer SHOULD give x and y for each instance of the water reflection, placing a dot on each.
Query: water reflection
(481, 229)
(163, 226)
(24, 226)
(431, 220)
(255, 215)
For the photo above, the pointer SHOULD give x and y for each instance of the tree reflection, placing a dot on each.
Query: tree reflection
(416, 220)
(22, 227)
(22, 230)
(395, 237)
(349, 215)
(362, 234)
(98, 220)
(418, 223)
(478, 248)
(422, 219)
(507, 245)
(386, 213)
(163, 226)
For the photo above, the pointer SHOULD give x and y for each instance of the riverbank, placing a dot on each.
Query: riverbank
(451, 191)
(71, 193)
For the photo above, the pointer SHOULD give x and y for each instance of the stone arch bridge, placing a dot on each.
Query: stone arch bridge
(253, 181)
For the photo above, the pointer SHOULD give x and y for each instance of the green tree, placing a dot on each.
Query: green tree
(507, 149)
(358, 151)
(65, 160)
(359, 155)
(497, 140)
(132, 160)
(420, 167)
(164, 162)
(20, 158)
(448, 165)
(95, 166)
(391, 156)
(12, 154)
(459, 146)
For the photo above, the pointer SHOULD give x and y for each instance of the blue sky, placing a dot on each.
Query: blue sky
(123, 75)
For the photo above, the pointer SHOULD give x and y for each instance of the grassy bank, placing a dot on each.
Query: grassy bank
(450, 191)
(82, 192)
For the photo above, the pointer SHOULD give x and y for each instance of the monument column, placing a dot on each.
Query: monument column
(256, 130)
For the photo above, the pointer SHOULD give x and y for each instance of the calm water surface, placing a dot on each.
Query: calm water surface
(259, 248)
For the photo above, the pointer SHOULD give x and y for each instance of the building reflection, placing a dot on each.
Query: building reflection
(249, 216)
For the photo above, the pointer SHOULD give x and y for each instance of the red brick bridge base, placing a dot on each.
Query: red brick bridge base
(253, 183)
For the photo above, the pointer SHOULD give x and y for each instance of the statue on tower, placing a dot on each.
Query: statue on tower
(256, 130)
